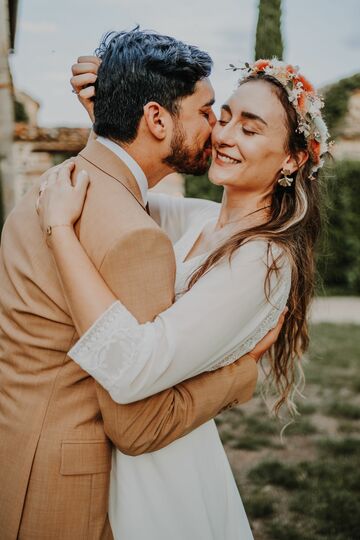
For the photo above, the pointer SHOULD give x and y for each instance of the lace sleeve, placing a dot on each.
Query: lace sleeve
(269, 321)
(218, 320)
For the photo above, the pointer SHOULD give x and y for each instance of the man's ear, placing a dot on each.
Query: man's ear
(157, 119)
(293, 163)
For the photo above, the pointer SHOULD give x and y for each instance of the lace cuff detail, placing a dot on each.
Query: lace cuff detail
(116, 329)
(267, 324)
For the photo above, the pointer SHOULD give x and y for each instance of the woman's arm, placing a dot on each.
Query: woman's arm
(133, 360)
(220, 319)
(59, 206)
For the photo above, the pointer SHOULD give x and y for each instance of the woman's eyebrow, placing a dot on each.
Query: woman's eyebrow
(226, 108)
(252, 116)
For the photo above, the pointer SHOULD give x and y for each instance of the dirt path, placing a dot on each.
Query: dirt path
(336, 309)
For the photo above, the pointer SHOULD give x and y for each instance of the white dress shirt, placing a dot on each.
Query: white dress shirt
(130, 162)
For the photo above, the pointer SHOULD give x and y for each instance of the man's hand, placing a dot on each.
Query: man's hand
(83, 79)
(268, 341)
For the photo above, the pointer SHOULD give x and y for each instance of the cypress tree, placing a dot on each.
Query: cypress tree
(269, 41)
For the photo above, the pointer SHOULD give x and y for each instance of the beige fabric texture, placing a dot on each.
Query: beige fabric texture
(57, 425)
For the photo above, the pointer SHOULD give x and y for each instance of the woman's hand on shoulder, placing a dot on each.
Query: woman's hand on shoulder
(84, 76)
(60, 201)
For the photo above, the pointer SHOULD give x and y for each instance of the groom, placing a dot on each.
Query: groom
(57, 425)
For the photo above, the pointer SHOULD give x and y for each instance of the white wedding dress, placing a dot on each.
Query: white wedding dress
(185, 491)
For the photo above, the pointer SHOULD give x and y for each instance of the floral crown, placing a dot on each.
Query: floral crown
(305, 100)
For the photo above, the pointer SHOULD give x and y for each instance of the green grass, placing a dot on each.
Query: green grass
(278, 530)
(259, 506)
(330, 493)
(309, 487)
(251, 442)
(307, 408)
(343, 410)
(347, 426)
(251, 432)
(335, 346)
(342, 447)
(302, 426)
(276, 474)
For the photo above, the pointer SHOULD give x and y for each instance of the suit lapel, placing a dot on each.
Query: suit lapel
(109, 163)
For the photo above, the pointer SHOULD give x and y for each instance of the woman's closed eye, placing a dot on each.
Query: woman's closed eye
(248, 132)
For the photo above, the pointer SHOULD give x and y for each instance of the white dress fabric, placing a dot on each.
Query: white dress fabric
(185, 491)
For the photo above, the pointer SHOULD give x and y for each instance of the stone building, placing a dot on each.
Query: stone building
(8, 17)
(347, 145)
(36, 149)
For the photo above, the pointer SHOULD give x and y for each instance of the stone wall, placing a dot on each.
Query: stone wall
(6, 111)
(347, 145)
(37, 149)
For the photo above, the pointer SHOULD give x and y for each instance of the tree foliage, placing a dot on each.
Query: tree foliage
(200, 187)
(339, 253)
(336, 101)
(269, 41)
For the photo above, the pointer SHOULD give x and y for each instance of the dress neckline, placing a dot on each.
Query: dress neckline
(194, 237)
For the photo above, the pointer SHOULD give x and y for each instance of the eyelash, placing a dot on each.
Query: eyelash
(245, 131)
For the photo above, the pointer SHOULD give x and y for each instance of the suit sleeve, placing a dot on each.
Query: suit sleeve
(142, 281)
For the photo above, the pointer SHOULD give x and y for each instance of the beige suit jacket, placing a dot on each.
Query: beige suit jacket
(57, 426)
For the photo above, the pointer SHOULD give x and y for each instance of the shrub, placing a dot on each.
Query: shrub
(339, 251)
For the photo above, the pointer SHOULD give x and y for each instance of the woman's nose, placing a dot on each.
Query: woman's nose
(225, 135)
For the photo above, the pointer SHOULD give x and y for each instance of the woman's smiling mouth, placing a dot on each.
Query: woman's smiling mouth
(225, 159)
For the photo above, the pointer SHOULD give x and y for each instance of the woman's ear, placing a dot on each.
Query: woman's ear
(156, 119)
(293, 163)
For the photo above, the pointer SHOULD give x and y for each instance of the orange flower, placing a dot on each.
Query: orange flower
(308, 87)
(301, 101)
(261, 64)
(290, 69)
(315, 149)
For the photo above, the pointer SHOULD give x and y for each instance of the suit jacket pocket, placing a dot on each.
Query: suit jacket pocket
(85, 457)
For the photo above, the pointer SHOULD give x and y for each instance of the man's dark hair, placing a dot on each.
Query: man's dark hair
(138, 67)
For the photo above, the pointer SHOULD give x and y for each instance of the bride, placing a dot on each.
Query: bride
(238, 265)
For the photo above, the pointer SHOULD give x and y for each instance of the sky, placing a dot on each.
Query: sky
(320, 36)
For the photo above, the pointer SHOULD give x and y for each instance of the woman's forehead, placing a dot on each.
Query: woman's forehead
(259, 98)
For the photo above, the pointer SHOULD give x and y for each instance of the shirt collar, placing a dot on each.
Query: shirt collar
(130, 162)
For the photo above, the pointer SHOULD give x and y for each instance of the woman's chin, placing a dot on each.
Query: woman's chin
(217, 176)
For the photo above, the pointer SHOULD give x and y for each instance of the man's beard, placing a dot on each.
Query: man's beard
(187, 159)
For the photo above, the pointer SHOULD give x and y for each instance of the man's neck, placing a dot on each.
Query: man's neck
(152, 164)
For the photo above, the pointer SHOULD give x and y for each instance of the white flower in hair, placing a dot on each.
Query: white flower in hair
(305, 100)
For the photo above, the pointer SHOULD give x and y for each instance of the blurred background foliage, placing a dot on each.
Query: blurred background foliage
(339, 248)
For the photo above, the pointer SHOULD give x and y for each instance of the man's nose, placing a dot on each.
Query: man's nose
(212, 119)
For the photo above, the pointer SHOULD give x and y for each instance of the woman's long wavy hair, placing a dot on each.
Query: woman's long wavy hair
(294, 224)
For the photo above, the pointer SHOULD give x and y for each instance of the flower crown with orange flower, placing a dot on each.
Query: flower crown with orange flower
(305, 100)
